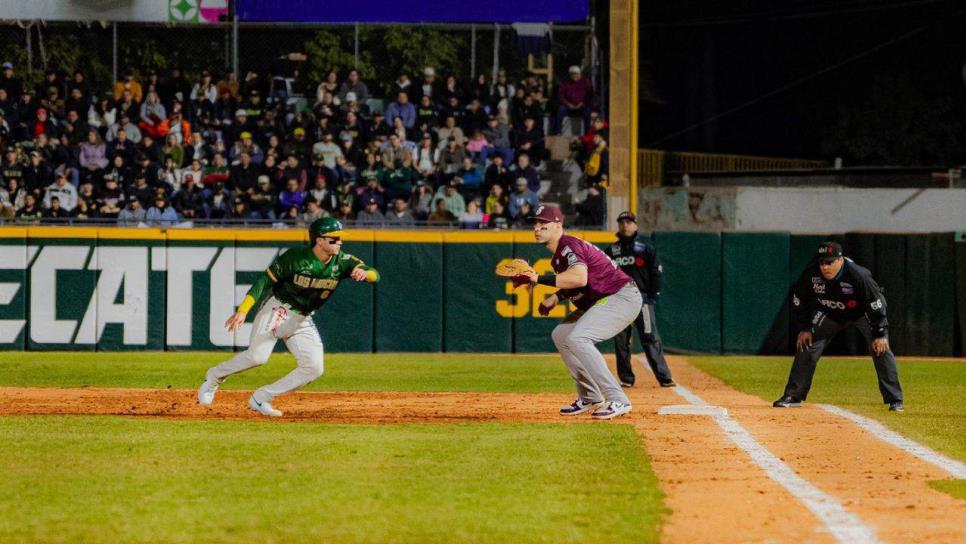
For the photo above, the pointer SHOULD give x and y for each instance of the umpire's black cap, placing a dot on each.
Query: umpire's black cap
(829, 251)
(626, 216)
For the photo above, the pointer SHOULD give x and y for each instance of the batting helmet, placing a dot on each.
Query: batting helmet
(326, 226)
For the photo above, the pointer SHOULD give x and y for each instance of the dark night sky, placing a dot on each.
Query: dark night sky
(697, 70)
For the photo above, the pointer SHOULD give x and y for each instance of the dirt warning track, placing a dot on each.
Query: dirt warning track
(715, 492)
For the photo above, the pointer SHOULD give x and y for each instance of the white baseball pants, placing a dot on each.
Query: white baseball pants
(274, 321)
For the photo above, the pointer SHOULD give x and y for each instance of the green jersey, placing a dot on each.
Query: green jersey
(299, 279)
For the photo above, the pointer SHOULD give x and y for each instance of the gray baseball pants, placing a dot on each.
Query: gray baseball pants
(575, 342)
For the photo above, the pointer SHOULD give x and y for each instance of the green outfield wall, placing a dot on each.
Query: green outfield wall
(111, 289)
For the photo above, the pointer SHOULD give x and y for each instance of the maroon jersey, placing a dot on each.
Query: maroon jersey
(604, 278)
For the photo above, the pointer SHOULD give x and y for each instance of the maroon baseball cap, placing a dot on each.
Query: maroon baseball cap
(546, 214)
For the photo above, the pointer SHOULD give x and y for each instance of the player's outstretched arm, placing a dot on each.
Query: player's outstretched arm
(364, 273)
(251, 297)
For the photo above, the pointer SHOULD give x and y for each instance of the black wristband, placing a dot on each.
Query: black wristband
(549, 279)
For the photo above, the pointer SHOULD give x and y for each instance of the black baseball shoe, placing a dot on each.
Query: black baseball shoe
(669, 383)
(787, 402)
(896, 407)
(627, 384)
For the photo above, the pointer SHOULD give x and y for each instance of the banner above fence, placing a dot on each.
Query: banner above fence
(133, 11)
(420, 11)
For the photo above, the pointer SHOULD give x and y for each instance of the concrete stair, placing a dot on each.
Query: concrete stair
(558, 186)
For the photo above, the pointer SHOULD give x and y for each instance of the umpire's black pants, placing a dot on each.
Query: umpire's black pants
(803, 369)
(646, 325)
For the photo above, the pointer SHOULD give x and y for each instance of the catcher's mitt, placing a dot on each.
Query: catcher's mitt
(516, 270)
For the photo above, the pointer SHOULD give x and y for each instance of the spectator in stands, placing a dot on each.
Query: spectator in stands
(421, 201)
(228, 85)
(64, 192)
(598, 164)
(496, 174)
(133, 214)
(354, 85)
(153, 113)
(427, 114)
(30, 213)
(496, 195)
(102, 115)
(441, 214)
(370, 215)
(529, 139)
(497, 135)
(176, 125)
(521, 195)
(311, 213)
(450, 88)
(522, 219)
(140, 189)
(86, 203)
(218, 201)
(328, 86)
(36, 174)
(93, 156)
(455, 203)
(54, 212)
(189, 201)
(450, 160)
(426, 158)
(291, 197)
(474, 118)
(575, 96)
(262, 201)
(379, 128)
(502, 92)
(204, 91)
(428, 86)
(129, 84)
(240, 210)
(400, 215)
(498, 218)
(472, 218)
(402, 83)
(345, 212)
(402, 108)
(243, 176)
(110, 200)
(450, 131)
(476, 146)
(591, 211)
(327, 150)
(396, 154)
(131, 131)
(9, 81)
(325, 198)
(525, 170)
(468, 179)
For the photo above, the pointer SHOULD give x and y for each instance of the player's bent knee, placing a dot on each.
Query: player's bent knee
(559, 335)
(315, 369)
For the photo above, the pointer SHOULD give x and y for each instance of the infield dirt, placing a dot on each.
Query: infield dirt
(714, 491)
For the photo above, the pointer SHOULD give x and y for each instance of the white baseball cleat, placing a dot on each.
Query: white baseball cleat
(206, 394)
(264, 408)
(612, 410)
(578, 407)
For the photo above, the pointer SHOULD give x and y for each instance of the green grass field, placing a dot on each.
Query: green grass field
(934, 390)
(484, 372)
(122, 479)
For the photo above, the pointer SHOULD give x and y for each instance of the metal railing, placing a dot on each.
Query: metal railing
(653, 164)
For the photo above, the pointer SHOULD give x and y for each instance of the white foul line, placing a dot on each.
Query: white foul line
(953, 467)
(845, 526)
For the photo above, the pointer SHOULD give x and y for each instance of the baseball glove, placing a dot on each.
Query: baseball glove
(516, 270)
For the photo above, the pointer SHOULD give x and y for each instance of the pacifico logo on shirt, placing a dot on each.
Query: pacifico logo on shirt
(834, 304)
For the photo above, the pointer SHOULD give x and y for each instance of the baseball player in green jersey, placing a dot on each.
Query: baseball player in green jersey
(301, 280)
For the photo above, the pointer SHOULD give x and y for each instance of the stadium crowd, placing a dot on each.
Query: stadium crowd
(166, 150)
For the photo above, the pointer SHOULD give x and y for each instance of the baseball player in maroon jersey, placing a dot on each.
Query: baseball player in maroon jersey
(607, 301)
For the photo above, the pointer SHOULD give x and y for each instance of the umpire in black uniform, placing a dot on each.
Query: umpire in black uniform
(830, 295)
(638, 260)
